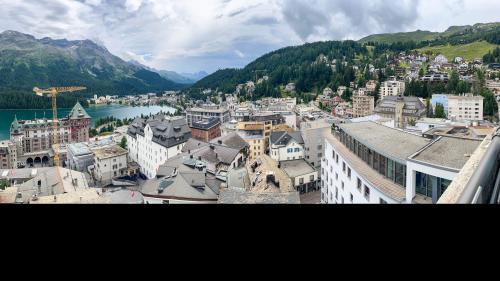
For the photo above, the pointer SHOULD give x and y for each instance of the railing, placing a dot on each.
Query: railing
(484, 185)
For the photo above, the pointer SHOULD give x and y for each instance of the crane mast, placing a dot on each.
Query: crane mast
(53, 92)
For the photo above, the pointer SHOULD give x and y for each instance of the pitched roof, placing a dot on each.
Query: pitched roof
(167, 132)
(78, 112)
(232, 140)
(283, 138)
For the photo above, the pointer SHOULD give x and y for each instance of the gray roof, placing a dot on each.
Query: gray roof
(186, 184)
(217, 154)
(411, 103)
(228, 196)
(167, 132)
(193, 144)
(78, 149)
(449, 152)
(389, 142)
(296, 168)
(232, 140)
(123, 196)
(283, 138)
(78, 112)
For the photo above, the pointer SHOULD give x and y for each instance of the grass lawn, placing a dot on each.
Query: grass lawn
(468, 51)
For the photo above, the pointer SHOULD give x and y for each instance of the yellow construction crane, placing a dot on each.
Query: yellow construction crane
(53, 92)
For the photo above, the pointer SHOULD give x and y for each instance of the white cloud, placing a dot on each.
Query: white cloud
(194, 35)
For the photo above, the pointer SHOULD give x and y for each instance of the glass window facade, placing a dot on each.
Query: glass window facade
(387, 167)
(426, 183)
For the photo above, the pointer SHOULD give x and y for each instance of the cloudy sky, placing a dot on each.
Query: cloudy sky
(194, 35)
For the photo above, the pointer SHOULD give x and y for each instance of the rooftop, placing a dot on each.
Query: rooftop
(228, 196)
(283, 138)
(206, 124)
(449, 152)
(383, 184)
(384, 140)
(109, 152)
(78, 149)
(295, 168)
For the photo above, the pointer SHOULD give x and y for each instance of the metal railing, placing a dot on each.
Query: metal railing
(484, 185)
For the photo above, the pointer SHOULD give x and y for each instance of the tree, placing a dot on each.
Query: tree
(123, 143)
(430, 114)
(463, 87)
(347, 95)
(440, 111)
(490, 103)
(421, 72)
(453, 83)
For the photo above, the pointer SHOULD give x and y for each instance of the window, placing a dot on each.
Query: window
(367, 193)
(297, 149)
(336, 176)
(343, 167)
(359, 184)
(301, 181)
(311, 178)
(352, 198)
(290, 150)
(349, 173)
(320, 155)
(343, 185)
(337, 158)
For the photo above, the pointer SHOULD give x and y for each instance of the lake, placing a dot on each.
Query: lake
(96, 112)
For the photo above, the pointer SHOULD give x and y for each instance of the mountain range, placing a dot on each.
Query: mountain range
(181, 78)
(26, 62)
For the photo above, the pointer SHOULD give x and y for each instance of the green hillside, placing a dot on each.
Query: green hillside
(390, 38)
(27, 62)
(468, 51)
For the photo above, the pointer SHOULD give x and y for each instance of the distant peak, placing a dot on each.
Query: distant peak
(14, 33)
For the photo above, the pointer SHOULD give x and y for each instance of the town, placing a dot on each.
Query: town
(371, 143)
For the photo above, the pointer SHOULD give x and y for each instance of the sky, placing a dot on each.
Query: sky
(195, 35)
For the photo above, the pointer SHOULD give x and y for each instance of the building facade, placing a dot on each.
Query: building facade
(286, 146)
(153, 141)
(404, 110)
(34, 138)
(370, 163)
(79, 157)
(205, 112)
(392, 88)
(206, 130)
(466, 108)
(8, 155)
(110, 162)
(362, 106)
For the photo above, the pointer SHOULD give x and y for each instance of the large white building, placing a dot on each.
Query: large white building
(392, 88)
(368, 163)
(151, 142)
(466, 108)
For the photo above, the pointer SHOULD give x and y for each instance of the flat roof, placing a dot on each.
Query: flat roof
(384, 140)
(108, 152)
(228, 196)
(449, 152)
(295, 168)
(383, 184)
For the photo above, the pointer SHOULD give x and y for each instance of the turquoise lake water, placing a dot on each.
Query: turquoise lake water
(96, 112)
